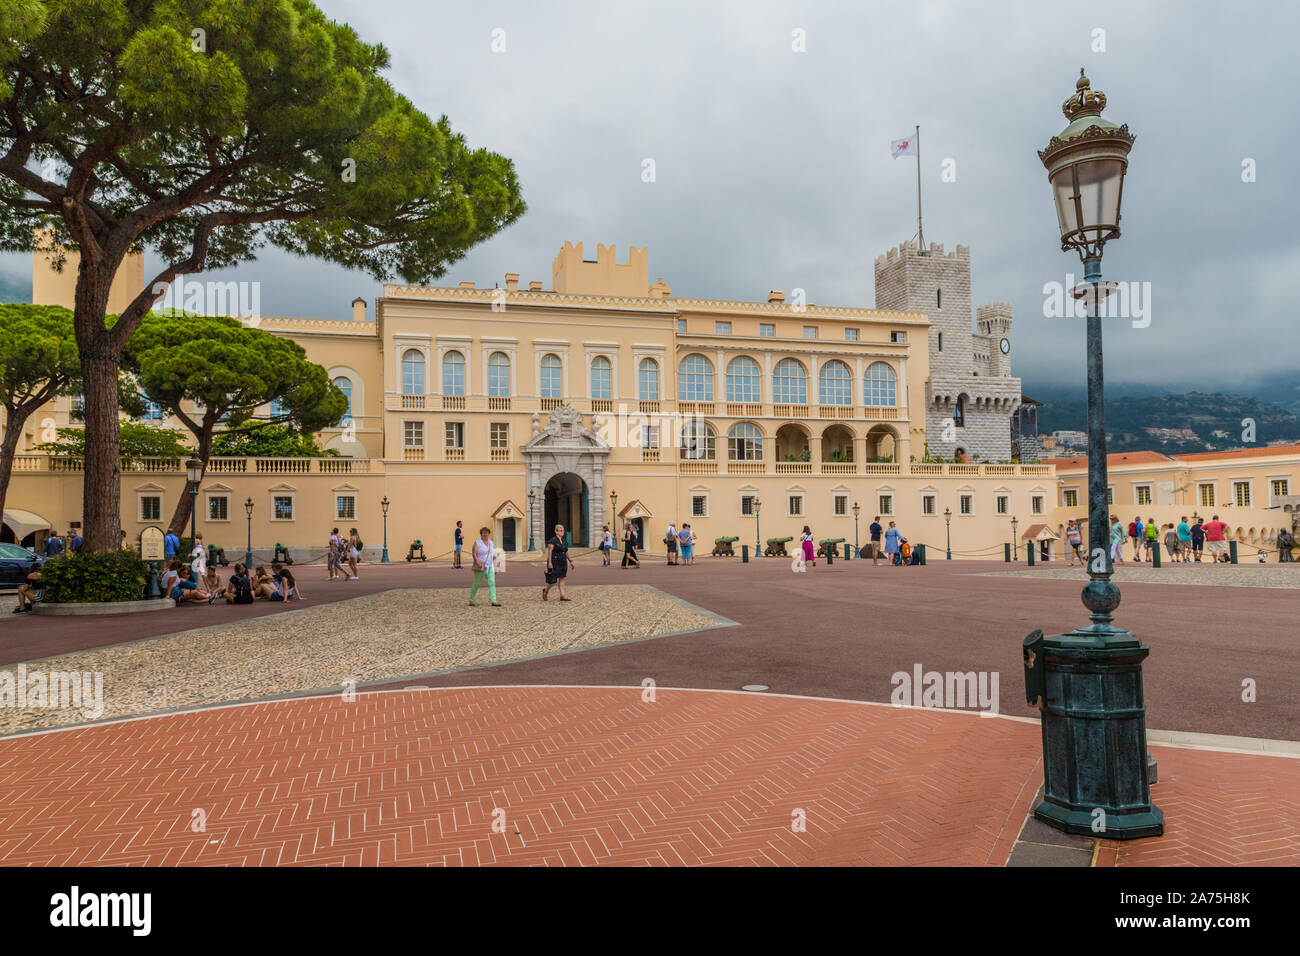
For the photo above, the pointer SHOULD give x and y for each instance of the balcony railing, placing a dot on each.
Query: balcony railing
(413, 401)
(648, 405)
(698, 467)
(412, 454)
(746, 467)
(696, 408)
(500, 454)
(836, 411)
(550, 404)
(790, 411)
(881, 468)
(602, 405)
(453, 402)
(454, 454)
(650, 454)
(839, 468)
(498, 403)
(794, 468)
(880, 412)
(745, 409)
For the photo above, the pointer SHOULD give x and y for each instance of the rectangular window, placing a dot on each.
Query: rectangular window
(699, 506)
(721, 328)
(928, 504)
(898, 336)
(967, 505)
(681, 325)
(345, 507)
(886, 505)
(840, 505)
(499, 435)
(1205, 496)
(150, 508)
(453, 434)
(1279, 487)
(1071, 498)
(766, 330)
(850, 335)
(747, 506)
(810, 331)
(1003, 505)
(1036, 504)
(413, 434)
(1110, 494)
(796, 505)
(282, 507)
(1142, 494)
(218, 508)
(1241, 493)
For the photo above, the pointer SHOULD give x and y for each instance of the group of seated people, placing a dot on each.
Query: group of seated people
(179, 584)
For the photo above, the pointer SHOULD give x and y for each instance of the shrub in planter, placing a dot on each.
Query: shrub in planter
(87, 577)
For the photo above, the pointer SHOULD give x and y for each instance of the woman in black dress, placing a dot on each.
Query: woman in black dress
(629, 550)
(558, 563)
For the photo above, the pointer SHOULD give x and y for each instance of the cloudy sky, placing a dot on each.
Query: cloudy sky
(773, 166)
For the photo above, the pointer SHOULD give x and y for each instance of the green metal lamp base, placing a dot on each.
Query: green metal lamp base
(1114, 826)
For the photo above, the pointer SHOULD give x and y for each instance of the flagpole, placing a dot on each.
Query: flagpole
(920, 227)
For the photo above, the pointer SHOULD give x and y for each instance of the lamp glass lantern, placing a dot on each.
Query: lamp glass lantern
(194, 471)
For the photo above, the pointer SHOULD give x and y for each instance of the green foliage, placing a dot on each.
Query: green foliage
(273, 441)
(87, 576)
(135, 439)
(229, 370)
(38, 354)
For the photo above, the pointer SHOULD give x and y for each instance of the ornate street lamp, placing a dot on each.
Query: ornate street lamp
(1088, 683)
(947, 517)
(1015, 542)
(194, 474)
(383, 558)
(613, 510)
(248, 555)
(532, 495)
(857, 510)
(758, 537)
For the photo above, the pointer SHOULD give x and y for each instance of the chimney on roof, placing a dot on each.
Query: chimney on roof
(776, 295)
(467, 285)
(512, 281)
(535, 285)
(358, 309)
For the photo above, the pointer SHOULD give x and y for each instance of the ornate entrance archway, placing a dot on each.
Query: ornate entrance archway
(576, 455)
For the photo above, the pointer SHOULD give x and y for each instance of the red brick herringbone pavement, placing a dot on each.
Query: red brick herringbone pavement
(582, 775)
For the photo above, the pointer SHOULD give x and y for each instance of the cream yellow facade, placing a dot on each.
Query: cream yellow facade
(599, 400)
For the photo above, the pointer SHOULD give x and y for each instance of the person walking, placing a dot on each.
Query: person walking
(1198, 540)
(332, 553)
(606, 545)
(1074, 539)
(1116, 541)
(199, 558)
(558, 563)
(459, 543)
(670, 543)
(353, 552)
(1184, 540)
(485, 554)
(876, 531)
(74, 541)
(53, 545)
(1216, 539)
(686, 544)
(1135, 535)
(1171, 543)
(171, 544)
(1150, 536)
(892, 537)
(809, 550)
(630, 560)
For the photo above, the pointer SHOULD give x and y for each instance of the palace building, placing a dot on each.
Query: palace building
(604, 399)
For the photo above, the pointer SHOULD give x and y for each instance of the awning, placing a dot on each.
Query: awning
(23, 523)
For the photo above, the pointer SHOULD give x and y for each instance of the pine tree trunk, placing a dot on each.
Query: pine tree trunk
(13, 430)
(181, 516)
(102, 479)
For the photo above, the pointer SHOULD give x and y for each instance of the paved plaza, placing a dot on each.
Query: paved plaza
(612, 729)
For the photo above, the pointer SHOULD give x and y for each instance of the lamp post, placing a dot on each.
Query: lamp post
(1015, 542)
(1088, 683)
(613, 511)
(248, 555)
(857, 510)
(758, 537)
(532, 495)
(383, 558)
(947, 517)
(194, 474)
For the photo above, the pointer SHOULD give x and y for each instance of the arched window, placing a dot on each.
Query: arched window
(344, 385)
(789, 383)
(412, 372)
(453, 373)
(695, 379)
(880, 386)
(698, 442)
(959, 412)
(647, 380)
(499, 375)
(552, 384)
(744, 442)
(601, 373)
(835, 385)
(744, 380)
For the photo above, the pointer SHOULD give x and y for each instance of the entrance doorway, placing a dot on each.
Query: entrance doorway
(566, 504)
(508, 534)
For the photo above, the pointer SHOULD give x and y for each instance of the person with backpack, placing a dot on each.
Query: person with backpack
(1198, 540)
(1150, 535)
(354, 547)
(239, 589)
(1135, 529)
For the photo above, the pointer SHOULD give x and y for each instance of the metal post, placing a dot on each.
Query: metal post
(194, 514)
(1232, 552)
(248, 554)
(384, 557)
(744, 554)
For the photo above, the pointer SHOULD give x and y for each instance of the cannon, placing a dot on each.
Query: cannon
(416, 551)
(722, 547)
(217, 556)
(776, 547)
(829, 544)
(282, 554)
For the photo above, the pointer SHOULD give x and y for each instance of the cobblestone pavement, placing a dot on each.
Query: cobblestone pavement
(364, 640)
(1242, 575)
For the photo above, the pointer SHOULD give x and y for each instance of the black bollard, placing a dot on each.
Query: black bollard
(1029, 553)
(1155, 554)
(744, 554)
(1006, 553)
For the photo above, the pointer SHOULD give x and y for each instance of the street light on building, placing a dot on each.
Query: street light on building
(248, 555)
(1088, 683)
(383, 559)
(947, 518)
(194, 474)
(857, 510)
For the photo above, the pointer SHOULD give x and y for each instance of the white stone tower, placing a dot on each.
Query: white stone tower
(971, 394)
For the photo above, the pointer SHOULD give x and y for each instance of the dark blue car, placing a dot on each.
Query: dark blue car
(15, 564)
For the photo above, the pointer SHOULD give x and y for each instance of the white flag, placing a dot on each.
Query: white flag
(903, 147)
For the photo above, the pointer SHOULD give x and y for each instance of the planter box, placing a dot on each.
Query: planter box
(110, 607)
